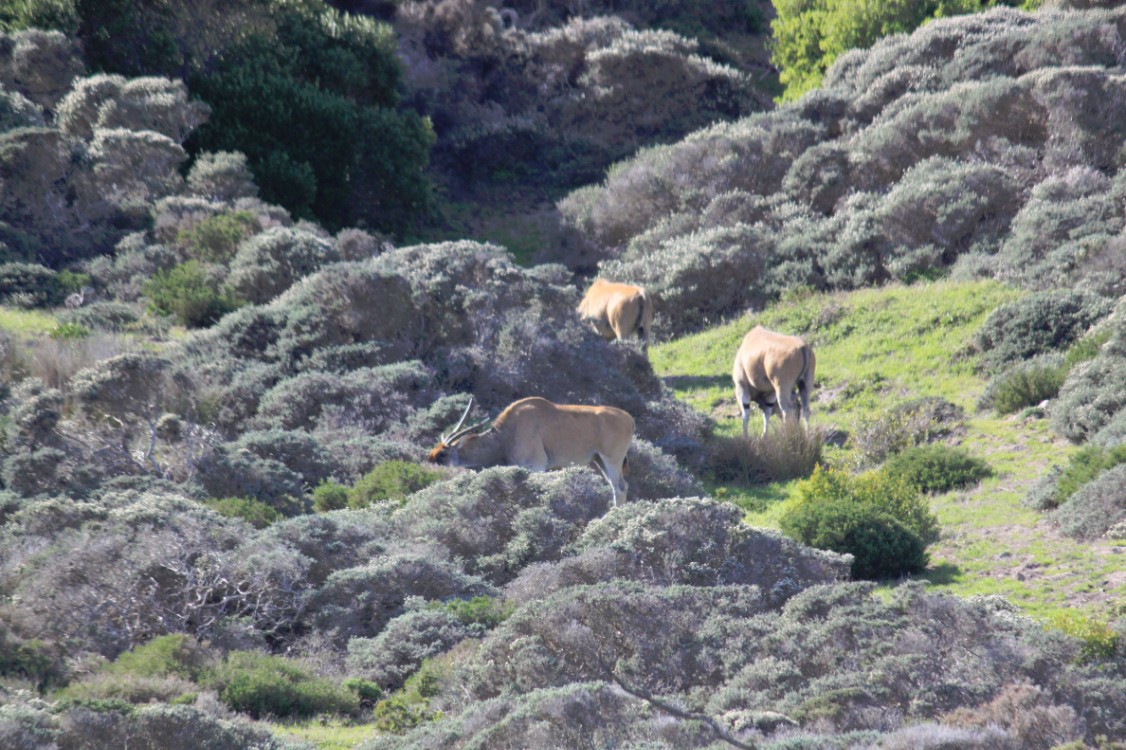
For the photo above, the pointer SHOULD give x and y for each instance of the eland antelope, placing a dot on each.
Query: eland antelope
(538, 435)
(768, 368)
(618, 311)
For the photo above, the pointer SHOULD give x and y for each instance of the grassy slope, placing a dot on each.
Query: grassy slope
(875, 348)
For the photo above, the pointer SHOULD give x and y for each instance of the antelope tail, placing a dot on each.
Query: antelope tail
(804, 368)
(642, 333)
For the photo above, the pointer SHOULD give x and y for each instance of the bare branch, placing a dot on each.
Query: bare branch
(678, 712)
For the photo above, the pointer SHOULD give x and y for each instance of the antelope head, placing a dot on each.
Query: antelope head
(447, 451)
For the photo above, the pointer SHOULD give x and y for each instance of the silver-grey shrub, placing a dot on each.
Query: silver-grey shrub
(1096, 507)
(702, 542)
(377, 398)
(1037, 324)
(359, 601)
(221, 176)
(408, 640)
(571, 716)
(1068, 217)
(654, 635)
(298, 554)
(701, 277)
(41, 65)
(498, 520)
(152, 564)
(17, 111)
(268, 263)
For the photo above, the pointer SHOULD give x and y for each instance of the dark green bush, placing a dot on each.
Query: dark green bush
(35, 661)
(937, 468)
(192, 292)
(1025, 384)
(262, 685)
(329, 495)
(312, 106)
(366, 690)
(255, 512)
(393, 480)
(881, 520)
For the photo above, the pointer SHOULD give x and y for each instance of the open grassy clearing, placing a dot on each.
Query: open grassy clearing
(877, 348)
(326, 733)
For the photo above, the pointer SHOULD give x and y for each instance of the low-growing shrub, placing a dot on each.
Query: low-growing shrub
(1038, 323)
(1097, 507)
(30, 285)
(1057, 487)
(483, 611)
(262, 685)
(882, 521)
(905, 425)
(407, 641)
(255, 512)
(393, 480)
(175, 654)
(330, 495)
(1094, 393)
(191, 291)
(1099, 640)
(1025, 384)
(937, 468)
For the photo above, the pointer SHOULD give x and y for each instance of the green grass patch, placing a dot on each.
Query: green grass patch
(327, 733)
(26, 322)
(879, 348)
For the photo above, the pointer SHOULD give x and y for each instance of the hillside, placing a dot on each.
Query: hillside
(236, 321)
(878, 349)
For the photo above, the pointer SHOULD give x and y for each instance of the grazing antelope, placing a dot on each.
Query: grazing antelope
(768, 368)
(539, 435)
(618, 311)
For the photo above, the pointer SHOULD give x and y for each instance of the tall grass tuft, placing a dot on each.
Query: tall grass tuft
(787, 451)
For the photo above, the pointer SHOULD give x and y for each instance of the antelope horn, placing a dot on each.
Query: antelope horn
(460, 422)
(466, 431)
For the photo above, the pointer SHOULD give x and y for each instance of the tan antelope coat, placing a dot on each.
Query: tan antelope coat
(539, 435)
(618, 311)
(769, 367)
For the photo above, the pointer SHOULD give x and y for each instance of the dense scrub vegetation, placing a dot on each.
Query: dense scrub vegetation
(213, 505)
(979, 146)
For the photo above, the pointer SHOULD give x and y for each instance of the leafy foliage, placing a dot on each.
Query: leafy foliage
(880, 519)
(193, 292)
(937, 468)
(809, 36)
(1025, 384)
(393, 480)
(263, 685)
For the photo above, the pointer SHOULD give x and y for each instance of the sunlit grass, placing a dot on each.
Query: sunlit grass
(877, 348)
(327, 733)
(26, 322)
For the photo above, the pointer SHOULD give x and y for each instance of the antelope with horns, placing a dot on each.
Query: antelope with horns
(618, 311)
(769, 367)
(538, 435)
